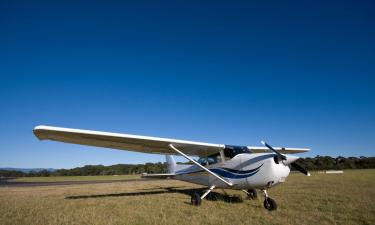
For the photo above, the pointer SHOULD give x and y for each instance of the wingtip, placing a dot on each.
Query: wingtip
(40, 127)
(37, 132)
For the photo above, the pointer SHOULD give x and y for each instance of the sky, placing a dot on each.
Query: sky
(293, 73)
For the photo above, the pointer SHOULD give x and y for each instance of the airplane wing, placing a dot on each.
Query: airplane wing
(254, 149)
(138, 143)
(128, 142)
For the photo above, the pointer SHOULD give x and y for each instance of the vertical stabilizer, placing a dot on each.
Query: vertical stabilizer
(171, 164)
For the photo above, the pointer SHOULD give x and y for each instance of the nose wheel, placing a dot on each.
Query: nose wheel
(269, 203)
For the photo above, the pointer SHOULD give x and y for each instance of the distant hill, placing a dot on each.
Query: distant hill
(27, 170)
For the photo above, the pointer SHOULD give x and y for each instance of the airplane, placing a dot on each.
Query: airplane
(245, 168)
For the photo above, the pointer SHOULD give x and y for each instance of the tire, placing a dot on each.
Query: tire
(196, 199)
(252, 194)
(270, 204)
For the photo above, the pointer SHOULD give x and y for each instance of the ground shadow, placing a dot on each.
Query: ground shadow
(213, 196)
(6, 179)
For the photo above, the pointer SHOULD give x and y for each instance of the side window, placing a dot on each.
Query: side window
(212, 159)
(202, 161)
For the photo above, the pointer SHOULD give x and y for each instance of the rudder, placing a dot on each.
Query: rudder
(171, 163)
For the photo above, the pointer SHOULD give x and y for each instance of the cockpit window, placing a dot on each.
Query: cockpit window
(209, 160)
(230, 150)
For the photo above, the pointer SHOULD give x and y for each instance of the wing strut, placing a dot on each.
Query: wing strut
(199, 165)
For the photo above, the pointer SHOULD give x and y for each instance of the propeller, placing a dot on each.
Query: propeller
(281, 157)
(300, 168)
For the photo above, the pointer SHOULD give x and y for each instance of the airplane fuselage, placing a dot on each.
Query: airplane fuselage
(244, 171)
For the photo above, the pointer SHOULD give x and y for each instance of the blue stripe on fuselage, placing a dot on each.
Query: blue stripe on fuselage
(229, 173)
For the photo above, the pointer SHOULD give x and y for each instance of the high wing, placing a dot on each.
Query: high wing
(138, 143)
(125, 141)
(254, 149)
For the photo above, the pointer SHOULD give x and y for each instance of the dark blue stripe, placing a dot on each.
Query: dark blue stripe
(240, 171)
(226, 174)
(229, 173)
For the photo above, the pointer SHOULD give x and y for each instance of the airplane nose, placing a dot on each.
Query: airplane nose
(290, 159)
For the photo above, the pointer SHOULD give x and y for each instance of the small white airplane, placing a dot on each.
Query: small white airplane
(243, 168)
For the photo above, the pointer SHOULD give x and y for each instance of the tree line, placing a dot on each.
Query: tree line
(338, 163)
(315, 163)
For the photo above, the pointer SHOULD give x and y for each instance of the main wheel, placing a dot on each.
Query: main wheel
(196, 199)
(252, 193)
(270, 204)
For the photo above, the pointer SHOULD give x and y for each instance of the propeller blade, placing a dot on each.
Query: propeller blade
(279, 155)
(299, 168)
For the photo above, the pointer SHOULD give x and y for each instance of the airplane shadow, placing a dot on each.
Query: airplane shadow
(6, 179)
(213, 196)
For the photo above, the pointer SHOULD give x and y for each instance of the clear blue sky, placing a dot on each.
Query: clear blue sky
(294, 73)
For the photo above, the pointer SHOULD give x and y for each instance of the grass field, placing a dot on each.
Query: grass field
(75, 178)
(347, 198)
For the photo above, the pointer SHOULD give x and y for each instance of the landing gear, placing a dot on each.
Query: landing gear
(196, 199)
(252, 193)
(269, 203)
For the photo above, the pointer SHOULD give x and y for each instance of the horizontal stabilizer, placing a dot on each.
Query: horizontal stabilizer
(158, 175)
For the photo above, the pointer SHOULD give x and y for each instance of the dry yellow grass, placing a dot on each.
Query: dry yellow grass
(347, 198)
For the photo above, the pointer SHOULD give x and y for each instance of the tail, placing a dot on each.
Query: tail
(171, 164)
